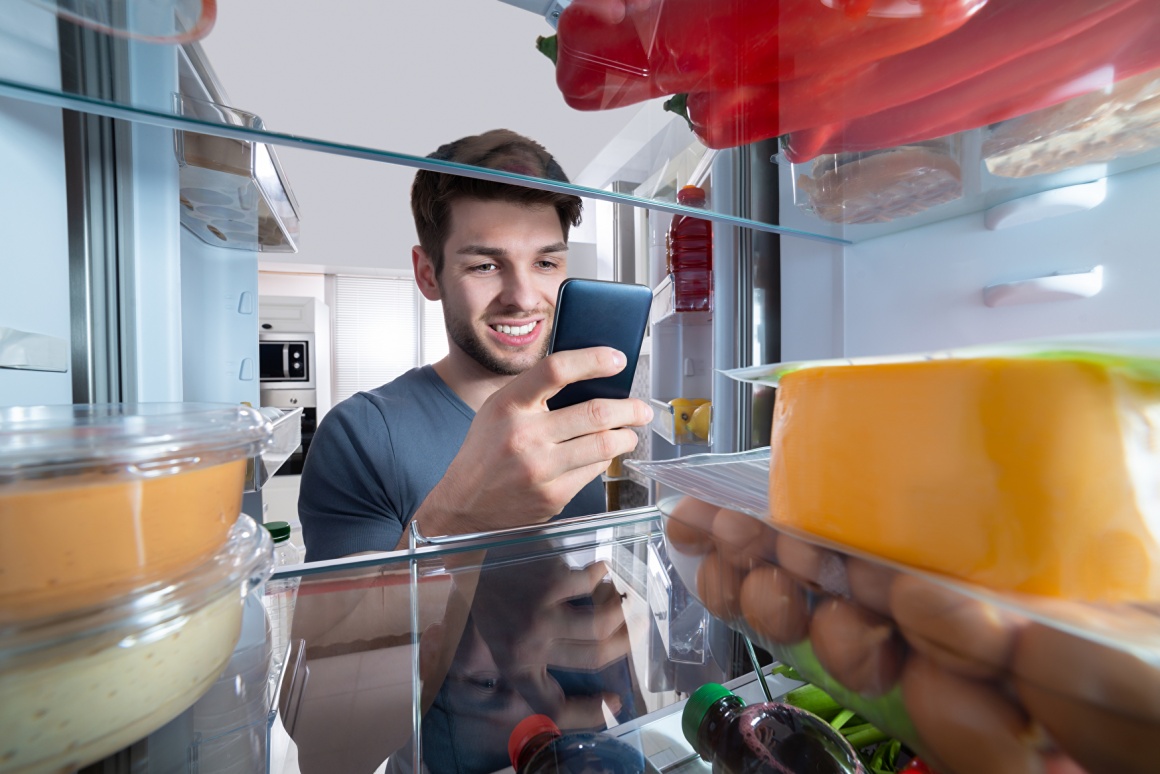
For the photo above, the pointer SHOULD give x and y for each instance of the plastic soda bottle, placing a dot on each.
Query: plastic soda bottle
(763, 738)
(537, 746)
(690, 255)
(282, 594)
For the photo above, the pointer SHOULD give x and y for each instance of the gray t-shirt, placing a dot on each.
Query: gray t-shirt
(376, 456)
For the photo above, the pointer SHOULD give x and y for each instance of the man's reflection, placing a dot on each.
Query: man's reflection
(541, 637)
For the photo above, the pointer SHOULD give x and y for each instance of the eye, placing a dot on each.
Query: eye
(484, 684)
(483, 268)
(548, 264)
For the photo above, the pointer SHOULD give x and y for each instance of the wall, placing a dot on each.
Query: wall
(34, 257)
(275, 282)
(406, 77)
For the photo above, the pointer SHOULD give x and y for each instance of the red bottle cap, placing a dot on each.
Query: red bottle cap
(527, 730)
(691, 196)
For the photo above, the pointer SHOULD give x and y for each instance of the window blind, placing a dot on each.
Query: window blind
(381, 331)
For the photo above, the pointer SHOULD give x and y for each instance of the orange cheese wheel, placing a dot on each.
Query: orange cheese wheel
(1017, 474)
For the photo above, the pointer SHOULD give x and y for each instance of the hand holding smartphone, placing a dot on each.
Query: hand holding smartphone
(594, 313)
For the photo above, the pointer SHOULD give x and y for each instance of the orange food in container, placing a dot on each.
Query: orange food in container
(98, 500)
(80, 685)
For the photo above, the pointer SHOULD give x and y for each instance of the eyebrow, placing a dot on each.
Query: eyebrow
(499, 252)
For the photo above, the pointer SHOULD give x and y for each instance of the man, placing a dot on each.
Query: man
(468, 445)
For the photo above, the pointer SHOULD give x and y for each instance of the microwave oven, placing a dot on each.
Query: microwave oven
(286, 360)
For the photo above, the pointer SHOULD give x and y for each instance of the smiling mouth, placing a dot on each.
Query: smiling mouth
(516, 330)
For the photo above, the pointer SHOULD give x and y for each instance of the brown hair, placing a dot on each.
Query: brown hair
(499, 149)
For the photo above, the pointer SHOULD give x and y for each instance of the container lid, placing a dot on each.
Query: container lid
(698, 706)
(152, 610)
(38, 441)
(527, 730)
(279, 530)
(691, 196)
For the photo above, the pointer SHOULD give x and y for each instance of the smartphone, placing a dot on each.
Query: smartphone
(593, 313)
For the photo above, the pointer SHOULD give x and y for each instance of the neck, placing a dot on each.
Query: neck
(473, 383)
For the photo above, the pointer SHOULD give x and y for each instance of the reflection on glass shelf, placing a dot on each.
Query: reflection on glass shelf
(170, 21)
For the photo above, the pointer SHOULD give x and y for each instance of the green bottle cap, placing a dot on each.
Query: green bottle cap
(698, 706)
(279, 530)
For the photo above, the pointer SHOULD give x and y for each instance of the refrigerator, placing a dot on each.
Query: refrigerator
(114, 299)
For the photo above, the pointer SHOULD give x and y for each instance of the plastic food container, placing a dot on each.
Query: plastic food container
(879, 186)
(76, 687)
(972, 679)
(97, 500)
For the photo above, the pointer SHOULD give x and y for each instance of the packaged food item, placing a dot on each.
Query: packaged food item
(971, 680)
(78, 686)
(612, 54)
(856, 188)
(97, 500)
(1022, 466)
(1097, 128)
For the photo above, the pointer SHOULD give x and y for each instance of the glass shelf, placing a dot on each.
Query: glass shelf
(863, 118)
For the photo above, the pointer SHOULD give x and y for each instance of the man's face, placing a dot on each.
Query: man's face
(502, 266)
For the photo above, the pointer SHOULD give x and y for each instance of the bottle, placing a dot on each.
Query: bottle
(537, 746)
(281, 594)
(767, 737)
(690, 255)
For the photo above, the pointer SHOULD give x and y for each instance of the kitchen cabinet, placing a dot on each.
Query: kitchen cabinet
(835, 285)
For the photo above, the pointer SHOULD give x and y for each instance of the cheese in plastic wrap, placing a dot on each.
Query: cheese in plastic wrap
(1031, 471)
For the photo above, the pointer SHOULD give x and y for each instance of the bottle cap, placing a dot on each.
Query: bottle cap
(698, 706)
(691, 196)
(279, 530)
(527, 730)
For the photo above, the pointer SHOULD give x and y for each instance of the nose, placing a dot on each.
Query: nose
(520, 290)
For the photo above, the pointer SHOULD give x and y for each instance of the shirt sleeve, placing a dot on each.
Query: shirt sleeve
(343, 503)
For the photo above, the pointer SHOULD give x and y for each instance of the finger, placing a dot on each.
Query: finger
(600, 447)
(590, 655)
(599, 414)
(578, 583)
(532, 388)
(573, 481)
(596, 622)
(580, 712)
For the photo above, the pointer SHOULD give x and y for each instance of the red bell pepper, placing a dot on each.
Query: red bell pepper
(1002, 32)
(615, 52)
(1124, 45)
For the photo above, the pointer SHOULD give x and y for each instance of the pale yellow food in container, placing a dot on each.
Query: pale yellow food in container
(75, 688)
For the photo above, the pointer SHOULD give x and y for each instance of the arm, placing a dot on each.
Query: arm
(343, 504)
(521, 463)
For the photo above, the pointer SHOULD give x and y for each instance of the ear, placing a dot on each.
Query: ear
(425, 274)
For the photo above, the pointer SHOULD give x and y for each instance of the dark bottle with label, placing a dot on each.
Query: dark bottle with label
(690, 255)
(766, 738)
(537, 746)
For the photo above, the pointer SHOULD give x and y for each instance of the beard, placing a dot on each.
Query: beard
(465, 337)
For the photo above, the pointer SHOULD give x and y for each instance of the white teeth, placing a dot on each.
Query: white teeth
(519, 330)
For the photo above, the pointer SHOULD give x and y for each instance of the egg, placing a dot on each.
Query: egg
(967, 726)
(1100, 704)
(743, 540)
(817, 565)
(958, 632)
(775, 605)
(860, 649)
(870, 584)
(689, 526)
(719, 587)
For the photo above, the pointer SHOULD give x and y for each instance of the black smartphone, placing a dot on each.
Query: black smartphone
(594, 313)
